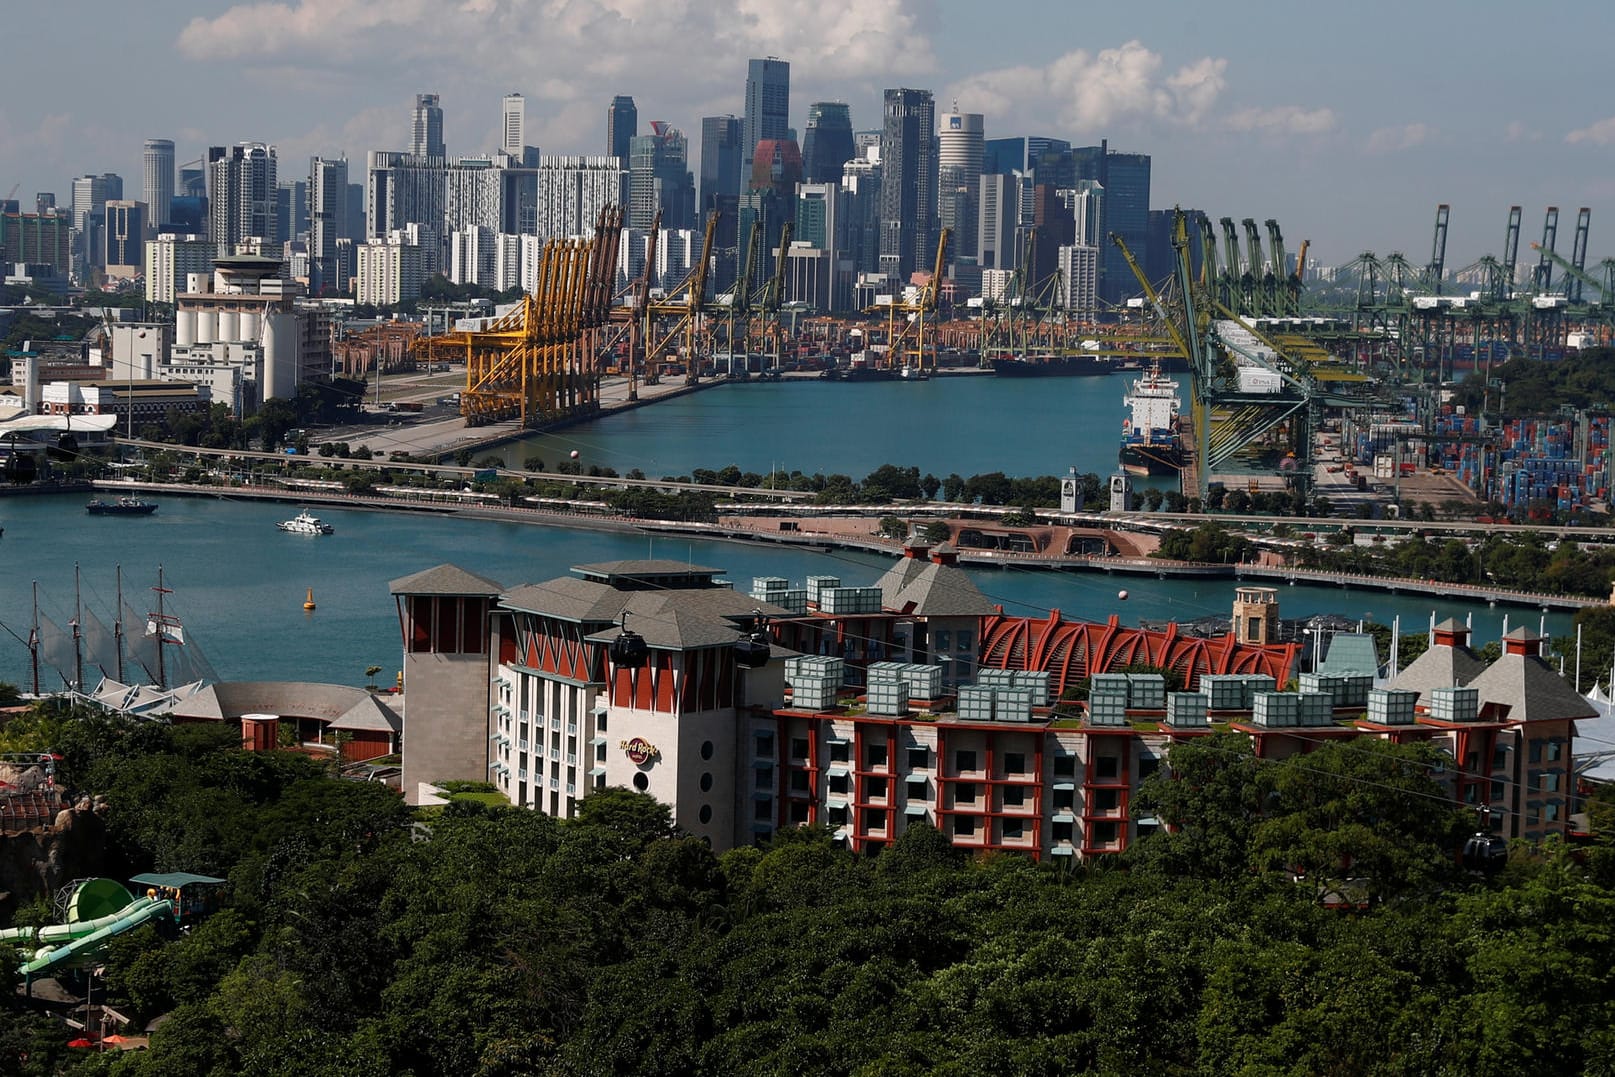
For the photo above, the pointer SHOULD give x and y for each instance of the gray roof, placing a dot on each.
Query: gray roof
(1351, 652)
(1439, 667)
(688, 619)
(445, 580)
(570, 599)
(1533, 690)
(338, 705)
(652, 567)
(934, 590)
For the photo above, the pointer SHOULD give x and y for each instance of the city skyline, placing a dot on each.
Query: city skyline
(1346, 133)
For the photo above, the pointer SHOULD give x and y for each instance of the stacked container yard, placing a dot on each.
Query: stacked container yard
(1037, 682)
(849, 600)
(817, 584)
(887, 694)
(1224, 691)
(1146, 691)
(1316, 708)
(976, 702)
(1331, 684)
(1012, 704)
(1108, 699)
(779, 592)
(1392, 706)
(1563, 464)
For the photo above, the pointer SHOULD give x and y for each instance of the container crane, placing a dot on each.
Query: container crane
(1542, 282)
(685, 312)
(774, 292)
(1578, 254)
(1511, 250)
(1435, 273)
(913, 314)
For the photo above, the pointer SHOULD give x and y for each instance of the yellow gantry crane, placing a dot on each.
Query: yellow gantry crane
(685, 312)
(905, 321)
(536, 363)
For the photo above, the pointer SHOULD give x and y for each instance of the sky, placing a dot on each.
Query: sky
(1346, 122)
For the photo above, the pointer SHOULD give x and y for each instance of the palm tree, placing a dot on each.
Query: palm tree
(370, 672)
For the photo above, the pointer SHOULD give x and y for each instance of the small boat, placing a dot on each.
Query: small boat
(124, 506)
(305, 523)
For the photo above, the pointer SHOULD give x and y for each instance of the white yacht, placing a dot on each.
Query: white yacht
(305, 523)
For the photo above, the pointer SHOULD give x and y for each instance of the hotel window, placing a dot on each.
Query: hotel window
(1014, 796)
(919, 758)
(964, 826)
(763, 811)
(1106, 766)
(875, 756)
(765, 777)
(1536, 751)
(1106, 800)
(1555, 750)
(840, 752)
(964, 760)
(1014, 763)
(836, 815)
(874, 788)
(1147, 765)
(1062, 831)
(764, 745)
(799, 748)
(964, 793)
(874, 819)
(600, 722)
(838, 784)
(1104, 833)
(964, 640)
(1064, 799)
(943, 639)
(799, 781)
(1012, 830)
(1065, 766)
(799, 813)
(1550, 812)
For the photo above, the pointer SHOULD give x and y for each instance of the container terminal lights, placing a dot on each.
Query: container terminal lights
(868, 708)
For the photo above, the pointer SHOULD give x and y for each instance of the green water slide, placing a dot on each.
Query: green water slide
(82, 939)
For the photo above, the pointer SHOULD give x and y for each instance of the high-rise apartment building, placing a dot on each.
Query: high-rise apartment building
(860, 185)
(327, 223)
(768, 105)
(998, 218)
(720, 158)
(513, 132)
(158, 174)
(171, 259)
(908, 192)
(622, 126)
(659, 178)
(241, 194)
(402, 189)
(426, 127)
(827, 146)
(573, 190)
(390, 272)
(961, 140)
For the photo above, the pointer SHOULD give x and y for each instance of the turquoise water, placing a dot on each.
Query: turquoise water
(239, 584)
(967, 425)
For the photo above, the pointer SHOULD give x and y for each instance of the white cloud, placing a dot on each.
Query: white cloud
(1601, 133)
(1282, 120)
(1092, 91)
(1394, 139)
(1519, 131)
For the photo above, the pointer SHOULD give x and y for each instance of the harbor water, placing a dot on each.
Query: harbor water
(239, 584)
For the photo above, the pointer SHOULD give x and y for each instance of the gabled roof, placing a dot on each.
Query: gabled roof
(1441, 666)
(445, 580)
(570, 599)
(1351, 652)
(1532, 690)
(338, 705)
(688, 619)
(935, 590)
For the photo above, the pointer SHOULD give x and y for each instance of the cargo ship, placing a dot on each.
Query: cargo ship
(1150, 442)
(1051, 366)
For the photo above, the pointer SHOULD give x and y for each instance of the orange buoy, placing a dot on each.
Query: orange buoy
(309, 604)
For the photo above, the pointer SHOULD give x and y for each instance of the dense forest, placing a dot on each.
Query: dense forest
(507, 942)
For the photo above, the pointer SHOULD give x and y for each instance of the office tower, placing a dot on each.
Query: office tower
(622, 126)
(426, 127)
(291, 209)
(1126, 180)
(125, 232)
(860, 186)
(1001, 156)
(355, 230)
(158, 189)
(1054, 225)
(720, 159)
(908, 191)
(998, 219)
(768, 105)
(828, 144)
(514, 128)
(1037, 146)
(327, 223)
(961, 141)
(1087, 204)
(241, 194)
(863, 142)
(90, 197)
(573, 190)
(659, 178)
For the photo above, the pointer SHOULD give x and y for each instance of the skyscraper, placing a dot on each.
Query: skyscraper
(659, 178)
(327, 222)
(622, 126)
(241, 194)
(908, 192)
(827, 146)
(159, 179)
(125, 237)
(720, 158)
(90, 197)
(514, 129)
(768, 105)
(960, 143)
(1126, 180)
(426, 129)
